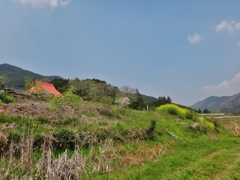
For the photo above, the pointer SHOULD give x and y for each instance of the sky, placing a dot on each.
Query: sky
(187, 50)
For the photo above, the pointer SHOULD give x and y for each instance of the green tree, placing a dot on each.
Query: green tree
(137, 102)
(168, 100)
(205, 111)
(61, 84)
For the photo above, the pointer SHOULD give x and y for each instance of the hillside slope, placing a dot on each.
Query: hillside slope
(224, 104)
(17, 75)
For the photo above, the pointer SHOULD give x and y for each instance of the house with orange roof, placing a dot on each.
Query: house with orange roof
(40, 86)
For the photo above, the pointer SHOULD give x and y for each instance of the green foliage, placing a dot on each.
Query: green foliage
(137, 102)
(7, 98)
(43, 120)
(191, 115)
(206, 123)
(161, 101)
(65, 139)
(29, 82)
(12, 119)
(60, 84)
(69, 98)
(95, 90)
(69, 121)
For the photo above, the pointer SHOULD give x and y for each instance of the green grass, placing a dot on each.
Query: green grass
(125, 133)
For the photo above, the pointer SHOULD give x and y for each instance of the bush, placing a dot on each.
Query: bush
(6, 98)
(190, 115)
(172, 109)
(69, 98)
(206, 123)
(65, 139)
(176, 111)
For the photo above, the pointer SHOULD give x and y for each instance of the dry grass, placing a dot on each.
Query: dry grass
(106, 158)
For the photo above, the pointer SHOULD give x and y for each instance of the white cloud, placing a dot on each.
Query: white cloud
(235, 81)
(45, 3)
(227, 25)
(194, 38)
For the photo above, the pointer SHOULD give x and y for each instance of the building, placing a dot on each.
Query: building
(40, 87)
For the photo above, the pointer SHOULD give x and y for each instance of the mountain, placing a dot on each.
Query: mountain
(148, 98)
(16, 76)
(224, 104)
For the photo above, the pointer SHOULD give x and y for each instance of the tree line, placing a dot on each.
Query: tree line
(99, 91)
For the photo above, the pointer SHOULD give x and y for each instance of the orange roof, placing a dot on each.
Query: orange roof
(44, 86)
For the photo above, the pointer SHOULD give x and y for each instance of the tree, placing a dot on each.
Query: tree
(169, 100)
(205, 111)
(123, 102)
(60, 84)
(199, 111)
(138, 102)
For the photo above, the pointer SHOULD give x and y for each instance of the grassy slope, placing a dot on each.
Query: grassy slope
(194, 155)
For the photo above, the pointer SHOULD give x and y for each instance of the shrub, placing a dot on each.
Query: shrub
(176, 111)
(6, 98)
(190, 115)
(172, 109)
(65, 139)
(206, 123)
(69, 98)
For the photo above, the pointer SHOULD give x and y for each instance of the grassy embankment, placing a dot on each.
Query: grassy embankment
(119, 144)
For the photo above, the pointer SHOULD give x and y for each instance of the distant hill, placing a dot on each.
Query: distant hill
(149, 99)
(16, 75)
(224, 104)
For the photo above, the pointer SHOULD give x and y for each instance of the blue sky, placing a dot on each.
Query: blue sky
(188, 50)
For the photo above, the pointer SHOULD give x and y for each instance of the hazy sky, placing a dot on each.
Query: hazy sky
(186, 49)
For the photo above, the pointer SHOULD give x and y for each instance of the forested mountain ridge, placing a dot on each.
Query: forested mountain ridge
(224, 104)
(16, 76)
